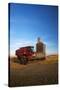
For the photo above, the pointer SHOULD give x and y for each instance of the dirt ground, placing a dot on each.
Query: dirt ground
(38, 72)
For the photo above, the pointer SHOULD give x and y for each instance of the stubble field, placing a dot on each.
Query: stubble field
(37, 72)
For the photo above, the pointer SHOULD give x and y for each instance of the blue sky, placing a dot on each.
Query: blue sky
(28, 22)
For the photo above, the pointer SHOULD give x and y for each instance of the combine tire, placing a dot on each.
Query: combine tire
(23, 60)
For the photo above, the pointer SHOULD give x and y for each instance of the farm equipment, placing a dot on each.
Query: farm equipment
(27, 53)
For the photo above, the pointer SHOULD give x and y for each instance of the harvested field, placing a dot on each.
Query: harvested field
(38, 72)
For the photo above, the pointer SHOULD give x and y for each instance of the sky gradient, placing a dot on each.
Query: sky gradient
(28, 22)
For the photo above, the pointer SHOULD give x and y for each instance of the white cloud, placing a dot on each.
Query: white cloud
(18, 44)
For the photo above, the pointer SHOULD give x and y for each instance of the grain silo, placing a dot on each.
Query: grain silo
(40, 47)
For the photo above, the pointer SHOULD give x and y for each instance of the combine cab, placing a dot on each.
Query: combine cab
(27, 53)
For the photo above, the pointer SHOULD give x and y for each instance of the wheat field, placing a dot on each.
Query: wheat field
(37, 72)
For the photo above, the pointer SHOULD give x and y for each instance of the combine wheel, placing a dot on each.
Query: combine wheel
(23, 60)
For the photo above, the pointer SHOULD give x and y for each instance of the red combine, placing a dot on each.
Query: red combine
(27, 53)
